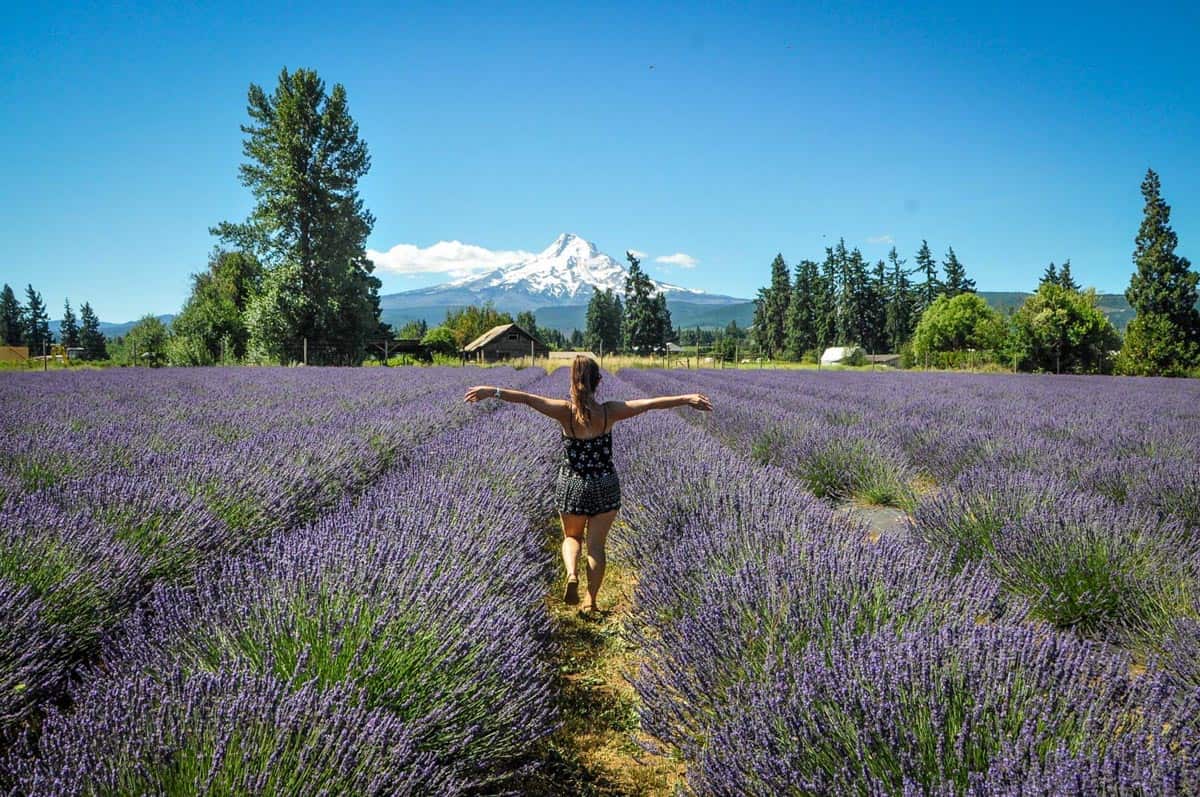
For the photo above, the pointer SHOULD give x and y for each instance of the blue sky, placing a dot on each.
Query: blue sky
(1019, 134)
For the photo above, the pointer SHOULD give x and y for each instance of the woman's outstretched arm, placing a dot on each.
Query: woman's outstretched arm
(554, 408)
(619, 410)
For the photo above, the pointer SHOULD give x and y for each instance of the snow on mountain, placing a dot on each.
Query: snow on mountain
(571, 268)
(567, 272)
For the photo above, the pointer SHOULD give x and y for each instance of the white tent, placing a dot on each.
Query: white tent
(839, 354)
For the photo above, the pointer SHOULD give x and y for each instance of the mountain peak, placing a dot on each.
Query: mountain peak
(568, 271)
(570, 244)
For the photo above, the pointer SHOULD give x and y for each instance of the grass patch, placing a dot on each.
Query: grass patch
(600, 748)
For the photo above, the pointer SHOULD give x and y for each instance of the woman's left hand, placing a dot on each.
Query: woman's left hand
(479, 392)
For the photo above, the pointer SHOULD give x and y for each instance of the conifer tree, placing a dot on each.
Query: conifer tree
(1065, 279)
(778, 297)
(828, 308)
(930, 286)
(1164, 336)
(308, 227)
(68, 331)
(854, 297)
(643, 325)
(802, 315)
(12, 318)
(877, 304)
(37, 322)
(899, 317)
(1049, 276)
(956, 276)
(95, 346)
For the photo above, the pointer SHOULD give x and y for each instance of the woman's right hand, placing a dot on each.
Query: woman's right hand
(699, 401)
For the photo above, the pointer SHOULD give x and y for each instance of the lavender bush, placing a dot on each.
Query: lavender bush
(370, 603)
(979, 710)
(140, 477)
(229, 732)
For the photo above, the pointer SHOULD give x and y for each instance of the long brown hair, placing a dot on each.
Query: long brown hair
(585, 375)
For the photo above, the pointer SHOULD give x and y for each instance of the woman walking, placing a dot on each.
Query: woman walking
(587, 492)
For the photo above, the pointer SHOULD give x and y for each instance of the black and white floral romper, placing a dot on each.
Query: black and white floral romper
(587, 481)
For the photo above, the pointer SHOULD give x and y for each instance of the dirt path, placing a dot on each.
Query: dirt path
(882, 520)
(598, 750)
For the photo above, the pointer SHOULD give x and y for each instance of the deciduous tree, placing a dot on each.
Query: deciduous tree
(212, 322)
(956, 324)
(1058, 329)
(146, 343)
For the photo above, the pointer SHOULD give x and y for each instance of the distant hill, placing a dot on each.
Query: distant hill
(556, 284)
(111, 331)
(1114, 305)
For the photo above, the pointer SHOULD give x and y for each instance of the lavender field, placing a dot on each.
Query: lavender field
(334, 581)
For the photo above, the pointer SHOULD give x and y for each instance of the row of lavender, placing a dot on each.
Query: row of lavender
(397, 645)
(1079, 494)
(115, 481)
(786, 652)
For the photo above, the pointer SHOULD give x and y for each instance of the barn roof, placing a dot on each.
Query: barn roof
(493, 334)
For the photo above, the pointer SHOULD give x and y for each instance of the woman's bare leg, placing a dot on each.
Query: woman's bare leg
(597, 536)
(573, 526)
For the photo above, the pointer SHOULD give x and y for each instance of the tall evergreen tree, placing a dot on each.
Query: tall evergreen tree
(854, 296)
(760, 330)
(803, 310)
(1065, 279)
(1164, 337)
(956, 276)
(899, 317)
(643, 326)
(309, 226)
(68, 331)
(877, 301)
(527, 321)
(604, 319)
(930, 286)
(12, 318)
(1163, 283)
(37, 322)
(662, 321)
(775, 310)
(95, 346)
(827, 303)
(1049, 276)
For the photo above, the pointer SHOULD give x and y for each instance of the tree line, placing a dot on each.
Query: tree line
(846, 300)
(639, 324)
(938, 319)
(29, 325)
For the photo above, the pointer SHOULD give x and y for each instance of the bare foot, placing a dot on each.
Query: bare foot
(571, 594)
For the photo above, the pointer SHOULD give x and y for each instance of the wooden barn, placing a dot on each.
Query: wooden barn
(14, 354)
(505, 342)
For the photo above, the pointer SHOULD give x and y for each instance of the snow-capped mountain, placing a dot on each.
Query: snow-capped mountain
(567, 272)
(570, 268)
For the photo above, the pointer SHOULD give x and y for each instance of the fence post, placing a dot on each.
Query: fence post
(306, 351)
